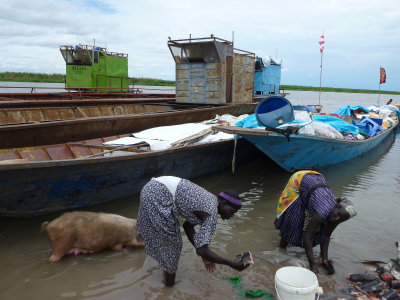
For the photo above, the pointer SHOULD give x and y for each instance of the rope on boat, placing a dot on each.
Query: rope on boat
(285, 132)
(234, 154)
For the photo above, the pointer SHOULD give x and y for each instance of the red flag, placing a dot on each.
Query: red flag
(382, 76)
(322, 43)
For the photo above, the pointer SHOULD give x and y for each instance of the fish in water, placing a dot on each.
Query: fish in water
(246, 258)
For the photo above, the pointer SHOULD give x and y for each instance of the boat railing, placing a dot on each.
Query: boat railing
(78, 48)
(204, 39)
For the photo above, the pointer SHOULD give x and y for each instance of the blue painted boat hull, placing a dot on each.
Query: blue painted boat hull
(310, 152)
(38, 188)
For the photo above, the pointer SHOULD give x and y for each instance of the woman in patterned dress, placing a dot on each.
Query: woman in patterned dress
(312, 216)
(162, 201)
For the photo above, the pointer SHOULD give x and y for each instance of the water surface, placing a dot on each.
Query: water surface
(371, 182)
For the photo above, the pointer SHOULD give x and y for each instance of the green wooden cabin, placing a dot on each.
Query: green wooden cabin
(95, 69)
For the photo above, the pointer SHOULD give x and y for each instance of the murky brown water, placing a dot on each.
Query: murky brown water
(372, 182)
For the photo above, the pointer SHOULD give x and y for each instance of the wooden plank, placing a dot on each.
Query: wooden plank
(51, 114)
(92, 111)
(118, 110)
(13, 161)
(129, 109)
(14, 116)
(129, 148)
(10, 155)
(3, 117)
(58, 152)
(34, 115)
(33, 154)
(81, 112)
(66, 113)
(241, 130)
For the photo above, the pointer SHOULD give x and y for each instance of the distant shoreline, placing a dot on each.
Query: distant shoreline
(60, 78)
(337, 90)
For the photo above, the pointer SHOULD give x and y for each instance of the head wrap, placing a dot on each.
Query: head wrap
(347, 205)
(230, 199)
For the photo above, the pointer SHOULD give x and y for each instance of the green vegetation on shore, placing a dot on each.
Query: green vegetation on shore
(31, 77)
(53, 78)
(330, 89)
(151, 81)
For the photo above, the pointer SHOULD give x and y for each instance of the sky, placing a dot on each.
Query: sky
(360, 36)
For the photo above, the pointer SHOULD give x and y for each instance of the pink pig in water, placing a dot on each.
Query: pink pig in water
(89, 232)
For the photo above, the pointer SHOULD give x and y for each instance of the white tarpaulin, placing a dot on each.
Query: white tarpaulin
(160, 138)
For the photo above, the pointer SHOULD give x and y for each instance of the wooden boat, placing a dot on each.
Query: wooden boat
(299, 152)
(41, 180)
(34, 126)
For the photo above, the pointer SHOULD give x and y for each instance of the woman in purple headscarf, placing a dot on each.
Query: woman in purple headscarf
(162, 201)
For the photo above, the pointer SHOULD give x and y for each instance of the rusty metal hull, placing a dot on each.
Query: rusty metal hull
(61, 131)
(37, 188)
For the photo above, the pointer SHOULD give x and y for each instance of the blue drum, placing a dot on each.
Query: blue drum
(274, 111)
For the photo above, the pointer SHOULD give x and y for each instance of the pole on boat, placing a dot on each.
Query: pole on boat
(379, 94)
(321, 50)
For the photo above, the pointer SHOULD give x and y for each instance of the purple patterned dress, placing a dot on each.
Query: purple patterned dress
(158, 223)
(291, 222)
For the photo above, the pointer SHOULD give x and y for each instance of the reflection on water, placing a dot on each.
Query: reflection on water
(371, 182)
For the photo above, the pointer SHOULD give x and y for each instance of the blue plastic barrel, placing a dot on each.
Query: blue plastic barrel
(274, 111)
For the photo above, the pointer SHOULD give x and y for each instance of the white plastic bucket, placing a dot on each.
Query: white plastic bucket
(295, 283)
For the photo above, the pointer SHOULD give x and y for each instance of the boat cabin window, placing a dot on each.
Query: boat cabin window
(195, 53)
(80, 55)
(77, 57)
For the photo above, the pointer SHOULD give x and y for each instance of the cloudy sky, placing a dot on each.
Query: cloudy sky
(360, 36)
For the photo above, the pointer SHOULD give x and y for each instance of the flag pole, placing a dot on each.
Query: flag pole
(379, 95)
(320, 80)
(321, 50)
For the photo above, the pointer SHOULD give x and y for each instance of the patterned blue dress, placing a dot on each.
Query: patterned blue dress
(291, 222)
(158, 223)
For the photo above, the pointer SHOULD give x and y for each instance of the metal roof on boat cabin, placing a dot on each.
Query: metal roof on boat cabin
(207, 49)
(86, 54)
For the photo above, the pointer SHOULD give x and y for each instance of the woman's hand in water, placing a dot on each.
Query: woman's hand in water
(210, 266)
(314, 268)
(328, 266)
(238, 265)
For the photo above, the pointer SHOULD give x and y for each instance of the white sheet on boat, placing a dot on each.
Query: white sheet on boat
(160, 138)
(302, 115)
(267, 60)
(320, 129)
